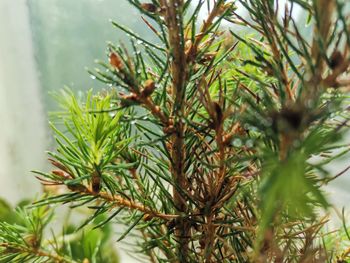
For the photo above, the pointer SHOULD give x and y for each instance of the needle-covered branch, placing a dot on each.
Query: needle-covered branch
(211, 144)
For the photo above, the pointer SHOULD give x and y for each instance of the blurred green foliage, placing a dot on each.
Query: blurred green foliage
(30, 234)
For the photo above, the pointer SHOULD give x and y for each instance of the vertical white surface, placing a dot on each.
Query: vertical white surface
(22, 124)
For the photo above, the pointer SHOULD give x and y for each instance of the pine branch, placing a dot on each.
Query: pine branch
(202, 148)
(34, 253)
(179, 73)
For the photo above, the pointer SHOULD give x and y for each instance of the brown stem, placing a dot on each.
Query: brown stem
(119, 201)
(221, 147)
(179, 76)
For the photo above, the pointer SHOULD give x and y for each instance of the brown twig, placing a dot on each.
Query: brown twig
(119, 201)
(179, 77)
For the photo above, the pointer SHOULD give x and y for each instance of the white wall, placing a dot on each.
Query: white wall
(22, 124)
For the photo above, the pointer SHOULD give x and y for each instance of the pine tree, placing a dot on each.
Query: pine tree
(211, 143)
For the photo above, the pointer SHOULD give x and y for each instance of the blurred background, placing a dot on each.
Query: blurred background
(44, 45)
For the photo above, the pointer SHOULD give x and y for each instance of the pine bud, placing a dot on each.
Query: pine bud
(148, 89)
(169, 129)
(336, 59)
(147, 217)
(96, 182)
(149, 7)
(33, 241)
(287, 119)
(218, 110)
(218, 115)
(293, 117)
(115, 61)
(128, 100)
